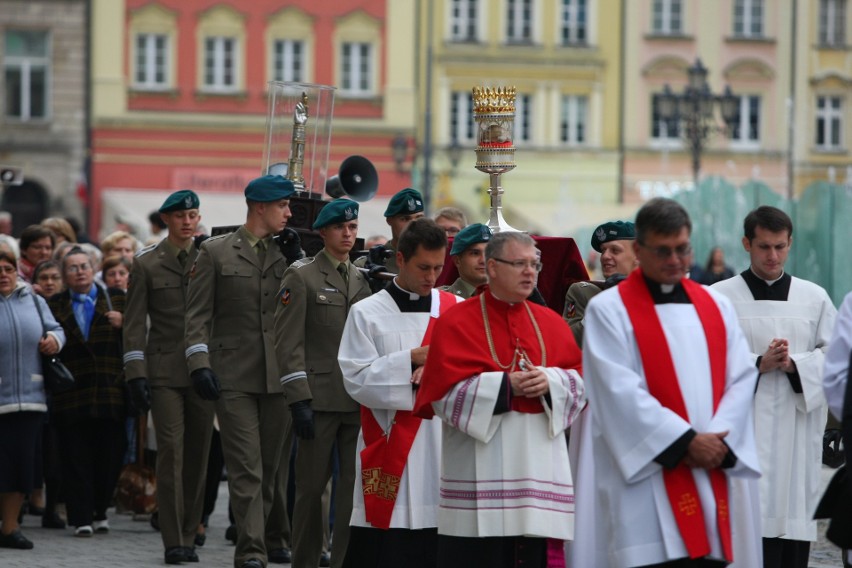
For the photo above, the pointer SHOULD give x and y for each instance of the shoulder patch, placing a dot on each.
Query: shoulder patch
(285, 297)
(570, 309)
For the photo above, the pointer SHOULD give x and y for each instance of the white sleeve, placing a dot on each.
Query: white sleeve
(469, 406)
(372, 379)
(810, 364)
(836, 368)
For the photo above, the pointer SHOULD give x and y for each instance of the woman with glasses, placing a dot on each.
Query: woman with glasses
(90, 416)
(22, 396)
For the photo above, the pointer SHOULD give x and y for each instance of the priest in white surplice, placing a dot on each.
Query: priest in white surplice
(503, 376)
(787, 322)
(384, 346)
(670, 383)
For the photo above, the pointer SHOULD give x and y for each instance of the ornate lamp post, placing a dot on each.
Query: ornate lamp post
(399, 151)
(694, 109)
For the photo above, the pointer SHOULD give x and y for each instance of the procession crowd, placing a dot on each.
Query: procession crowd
(669, 415)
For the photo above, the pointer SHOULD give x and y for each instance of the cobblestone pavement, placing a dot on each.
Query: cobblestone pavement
(133, 544)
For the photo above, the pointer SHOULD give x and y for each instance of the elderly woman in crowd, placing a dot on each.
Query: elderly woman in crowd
(116, 272)
(121, 243)
(47, 279)
(36, 245)
(47, 282)
(90, 416)
(22, 396)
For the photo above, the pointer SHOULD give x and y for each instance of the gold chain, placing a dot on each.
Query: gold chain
(517, 349)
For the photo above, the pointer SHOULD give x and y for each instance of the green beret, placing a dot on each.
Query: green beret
(613, 231)
(269, 188)
(338, 211)
(180, 201)
(470, 235)
(405, 202)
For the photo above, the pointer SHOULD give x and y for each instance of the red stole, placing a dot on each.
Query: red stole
(384, 457)
(662, 382)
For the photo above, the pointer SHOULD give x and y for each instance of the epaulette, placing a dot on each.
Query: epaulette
(303, 262)
(216, 238)
(145, 250)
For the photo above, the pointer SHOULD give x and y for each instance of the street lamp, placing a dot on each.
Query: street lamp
(694, 108)
(454, 152)
(399, 150)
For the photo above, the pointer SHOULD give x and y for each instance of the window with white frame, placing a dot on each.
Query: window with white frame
(356, 68)
(220, 63)
(463, 19)
(748, 18)
(26, 70)
(574, 27)
(288, 60)
(519, 18)
(573, 120)
(461, 117)
(745, 126)
(829, 123)
(523, 119)
(151, 64)
(832, 22)
(663, 130)
(668, 17)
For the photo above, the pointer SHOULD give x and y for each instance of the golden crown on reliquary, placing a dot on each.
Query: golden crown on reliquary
(488, 100)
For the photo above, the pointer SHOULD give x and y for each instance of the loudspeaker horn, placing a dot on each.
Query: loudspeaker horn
(357, 179)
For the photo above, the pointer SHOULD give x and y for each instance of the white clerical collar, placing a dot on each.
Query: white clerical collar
(768, 282)
(667, 288)
(411, 295)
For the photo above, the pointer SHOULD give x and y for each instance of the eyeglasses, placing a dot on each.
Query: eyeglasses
(75, 268)
(521, 264)
(664, 253)
(6, 269)
(49, 277)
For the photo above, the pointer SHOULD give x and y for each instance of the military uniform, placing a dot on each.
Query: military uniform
(576, 299)
(315, 301)
(229, 328)
(460, 288)
(183, 421)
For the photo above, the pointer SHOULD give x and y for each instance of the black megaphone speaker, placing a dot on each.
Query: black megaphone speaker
(357, 179)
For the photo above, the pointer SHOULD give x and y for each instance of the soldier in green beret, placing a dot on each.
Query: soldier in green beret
(230, 351)
(315, 298)
(468, 254)
(614, 241)
(404, 207)
(157, 374)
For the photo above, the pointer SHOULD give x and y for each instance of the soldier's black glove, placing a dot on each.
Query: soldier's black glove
(140, 395)
(290, 245)
(303, 419)
(206, 383)
(378, 255)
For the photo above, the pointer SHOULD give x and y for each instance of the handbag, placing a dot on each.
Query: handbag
(57, 377)
(136, 489)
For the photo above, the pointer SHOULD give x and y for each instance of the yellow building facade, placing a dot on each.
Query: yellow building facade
(823, 82)
(563, 57)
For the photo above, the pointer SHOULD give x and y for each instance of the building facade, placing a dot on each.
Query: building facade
(180, 93)
(43, 45)
(746, 45)
(822, 68)
(563, 57)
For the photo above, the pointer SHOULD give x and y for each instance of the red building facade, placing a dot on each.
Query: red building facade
(180, 92)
